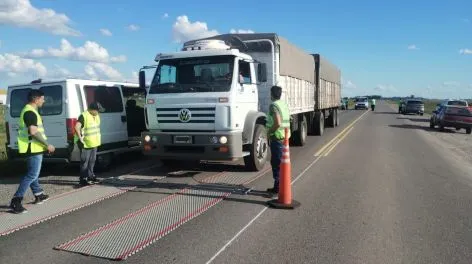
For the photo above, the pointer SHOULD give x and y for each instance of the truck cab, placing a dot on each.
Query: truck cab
(201, 103)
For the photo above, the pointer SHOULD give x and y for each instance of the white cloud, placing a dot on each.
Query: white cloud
(465, 51)
(132, 27)
(385, 88)
(90, 51)
(349, 85)
(165, 15)
(106, 32)
(451, 84)
(21, 13)
(412, 47)
(13, 64)
(96, 70)
(241, 31)
(184, 30)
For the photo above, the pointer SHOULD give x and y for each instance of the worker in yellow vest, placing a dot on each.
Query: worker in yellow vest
(32, 144)
(88, 138)
(278, 119)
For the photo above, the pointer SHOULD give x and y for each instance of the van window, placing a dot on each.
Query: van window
(108, 97)
(52, 101)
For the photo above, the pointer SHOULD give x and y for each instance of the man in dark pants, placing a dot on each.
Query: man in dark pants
(32, 144)
(278, 119)
(88, 139)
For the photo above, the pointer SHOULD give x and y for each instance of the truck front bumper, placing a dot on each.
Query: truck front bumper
(193, 146)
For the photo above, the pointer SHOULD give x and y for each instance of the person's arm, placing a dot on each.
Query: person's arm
(78, 128)
(31, 122)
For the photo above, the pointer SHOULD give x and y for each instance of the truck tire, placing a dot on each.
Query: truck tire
(318, 124)
(331, 122)
(336, 117)
(468, 130)
(259, 150)
(299, 137)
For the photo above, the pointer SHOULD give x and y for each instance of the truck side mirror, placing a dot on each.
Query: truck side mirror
(262, 72)
(142, 79)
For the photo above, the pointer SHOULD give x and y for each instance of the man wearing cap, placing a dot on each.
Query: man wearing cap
(88, 138)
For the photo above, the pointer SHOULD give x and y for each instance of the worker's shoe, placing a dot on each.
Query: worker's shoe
(39, 199)
(16, 205)
(94, 180)
(273, 190)
(85, 182)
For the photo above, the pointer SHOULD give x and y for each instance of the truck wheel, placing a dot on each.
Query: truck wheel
(318, 124)
(259, 150)
(331, 122)
(300, 135)
(336, 117)
(468, 130)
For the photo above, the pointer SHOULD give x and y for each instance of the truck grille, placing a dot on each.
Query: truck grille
(194, 115)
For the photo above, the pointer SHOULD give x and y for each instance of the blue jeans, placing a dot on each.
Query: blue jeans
(30, 180)
(276, 149)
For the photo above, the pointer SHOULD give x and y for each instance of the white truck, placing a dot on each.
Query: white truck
(209, 100)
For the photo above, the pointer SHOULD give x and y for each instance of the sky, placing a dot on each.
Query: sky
(394, 48)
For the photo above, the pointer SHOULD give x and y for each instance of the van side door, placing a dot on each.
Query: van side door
(112, 115)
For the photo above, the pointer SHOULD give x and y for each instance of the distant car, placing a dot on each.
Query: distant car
(361, 103)
(458, 117)
(413, 106)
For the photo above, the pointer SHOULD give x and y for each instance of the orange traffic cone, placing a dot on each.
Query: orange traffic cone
(284, 200)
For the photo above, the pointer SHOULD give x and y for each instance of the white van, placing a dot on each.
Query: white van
(122, 117)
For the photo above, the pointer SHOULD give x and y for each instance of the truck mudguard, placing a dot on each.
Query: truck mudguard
(250, 123)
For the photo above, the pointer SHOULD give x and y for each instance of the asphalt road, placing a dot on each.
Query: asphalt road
(382, 195)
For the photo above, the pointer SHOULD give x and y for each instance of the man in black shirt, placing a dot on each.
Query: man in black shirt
(32, 144)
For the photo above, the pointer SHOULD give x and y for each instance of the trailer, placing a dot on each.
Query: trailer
(209, 100)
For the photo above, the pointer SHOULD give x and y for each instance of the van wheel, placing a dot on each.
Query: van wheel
(259, 150)
(318, 124)
(299, 138)
(104, 161)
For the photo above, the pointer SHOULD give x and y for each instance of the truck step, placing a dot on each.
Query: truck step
(246, 153)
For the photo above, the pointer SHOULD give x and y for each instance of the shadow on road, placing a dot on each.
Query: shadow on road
(422, 120)
(384, 113)
(406, 126)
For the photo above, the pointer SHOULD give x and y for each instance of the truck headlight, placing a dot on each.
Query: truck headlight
(147, 138)
(223, 140)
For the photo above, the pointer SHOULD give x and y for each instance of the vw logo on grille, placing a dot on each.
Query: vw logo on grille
(185, 115)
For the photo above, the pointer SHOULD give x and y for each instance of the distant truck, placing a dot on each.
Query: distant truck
(209, 100)
(122, 119)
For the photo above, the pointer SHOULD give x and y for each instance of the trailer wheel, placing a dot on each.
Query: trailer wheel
(336, 117)
(259, 150)
(318, 123)
(299, 138)
(331, 122)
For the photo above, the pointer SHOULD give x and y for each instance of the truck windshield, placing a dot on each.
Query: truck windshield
(193, 75)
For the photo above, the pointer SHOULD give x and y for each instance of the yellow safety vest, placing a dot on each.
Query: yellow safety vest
(285, 115)
(24, 136)
(90, 131)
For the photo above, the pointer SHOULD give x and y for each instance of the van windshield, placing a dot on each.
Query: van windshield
(192, 75)
(52, 100)
(361, 100)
